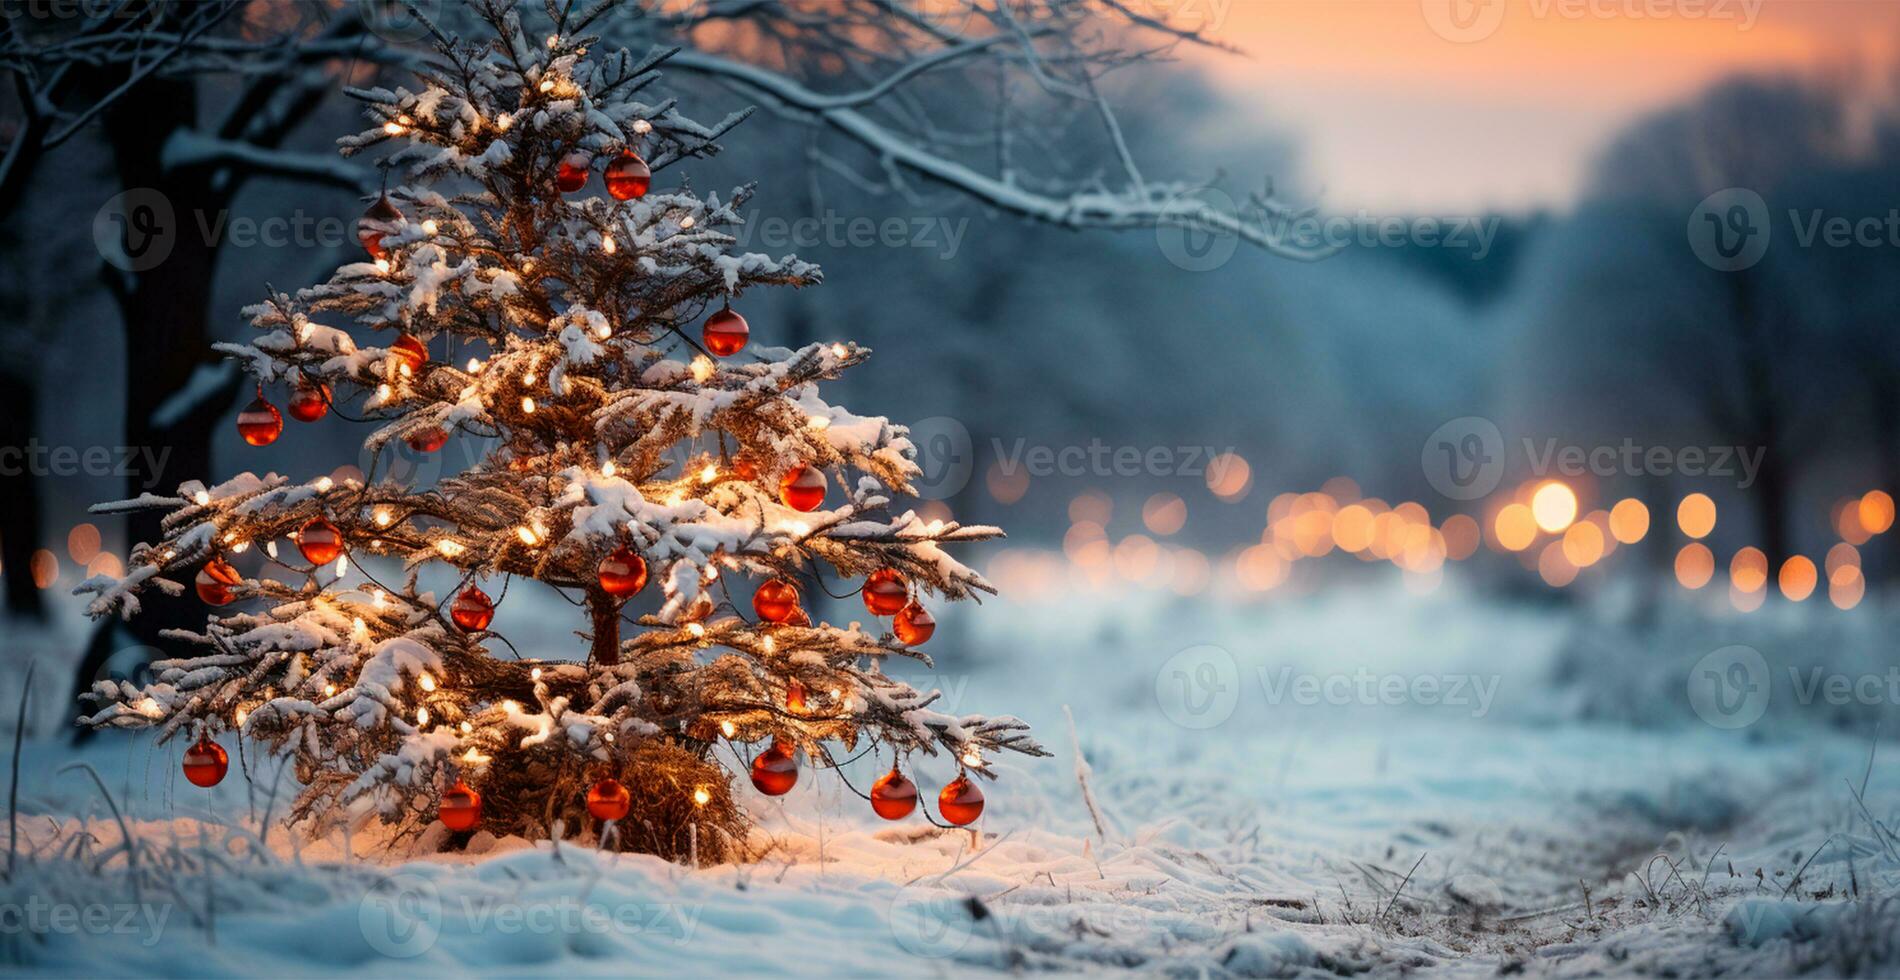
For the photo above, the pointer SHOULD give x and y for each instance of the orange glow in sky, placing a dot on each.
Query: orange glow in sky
(1499, 104)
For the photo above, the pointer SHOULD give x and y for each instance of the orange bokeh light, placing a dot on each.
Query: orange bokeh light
(1164, 513)
(1516, 528)
(1797, 578)
(1583, 544)
(1696, 515)
(1876, 511)
(1229, 477)
(1748, 570)
(1554, 506)
(1629, 520)
(1695, 565)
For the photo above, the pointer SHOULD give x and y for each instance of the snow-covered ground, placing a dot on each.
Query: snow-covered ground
(1363, 780)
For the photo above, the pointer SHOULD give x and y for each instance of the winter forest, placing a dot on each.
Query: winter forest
(1194, 488)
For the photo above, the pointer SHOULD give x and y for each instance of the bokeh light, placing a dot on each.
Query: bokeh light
(1516, 527)
(1797, 578)
(1554, 505)
(1696, 515)
(1876, 511)
(82, 543)
(1164, 513)
(1748, 570)
(1695, 565)
(1583, 544)
(1629, 520)
(1229, 477)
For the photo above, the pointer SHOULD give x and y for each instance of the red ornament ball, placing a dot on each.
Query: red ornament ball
(428, 440)
(608, 800)
(410, 352)
(215, 582)
(775, 601)
(320, 541)
(206, 762)
(802, 488)
(571, 175)
(622, 573)
(472, 610)
(461, 808)
(960, 802)
(885, 593)
(309, 401)
(914, 624)
(370, 237)
(628, 177)
(798, 618)
(725, 333)
(774, 771)
(259, 423)
(893, 796)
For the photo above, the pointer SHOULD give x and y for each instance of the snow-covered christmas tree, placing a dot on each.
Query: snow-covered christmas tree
(638, 431)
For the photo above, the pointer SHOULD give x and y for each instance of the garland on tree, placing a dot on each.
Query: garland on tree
(627, 444)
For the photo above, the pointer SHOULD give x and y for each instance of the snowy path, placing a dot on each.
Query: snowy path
(1286, 838)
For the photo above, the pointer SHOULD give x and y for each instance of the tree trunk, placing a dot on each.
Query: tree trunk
(605, 612)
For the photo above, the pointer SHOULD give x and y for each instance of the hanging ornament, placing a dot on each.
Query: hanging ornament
(472, 610)
(795, 697)
(461, 808)
(259, 423)
(798, 618)
(725, 333)
(893, 796)
(608, 800)
(623, 573)
(775, 601)
(774, 771)
(803, 488)
(571, 175)
(369, 237)
(206, 762)
(914, 624)
(885, 593)
(320, 541)
(428, 440)
(215, 581)
(628, 177)
(960, 802)
(309, 401)
(410, 351)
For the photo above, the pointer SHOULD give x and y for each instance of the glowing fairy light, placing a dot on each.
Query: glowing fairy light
(554, 41)
(230, 536)
(382, 265)
(201, 498)
(526, 535)
(972, 758)
(696, 630)
(466, 728)
(270, 548)
(547, 85)
(324, 484)
(342, 566)
(701, 797)
(429, 227)
(383, 517)
(770, 645)
(527, 405)
(702, 368)
(510, 707)
(241, 715)
(405, 121)
(238, 549)
(603, 331)
(426, 682)
(422, 716)
(709, 474)
(393, 128)
(535, 674)
(838, 350)
(726, 728)
(607, 468)
(474, 365)
(819, 422)
(329, 690)
(642, 127)
(449, 549)
(503, 121)
(384, 393)
(607, 244)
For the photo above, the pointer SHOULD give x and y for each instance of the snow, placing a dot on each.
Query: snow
(1277, 842)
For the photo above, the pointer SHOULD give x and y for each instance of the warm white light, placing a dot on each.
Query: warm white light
(466, 728)
(642, 127)
(820, 422)
(449, 549)
(238, 549)
(607, 244)
(709, 474)
(329, 690)
(554, 41)
(474, 365)
(270, 548)
(422, 716)
(384, 517)
(838, 350)
(241, 715)
(383, 393)
(702, 368)
(429, 226)
(607, 468)
(696, 629)
(972, 758)
(509, 707)
(324, 484)
(547, 85)
(688, 222)
(726, 728)
(427, 682)
(527, 537)
(342, 565)
(603, 331)
(535, 674)
(393, 128)
(201, 498)
(503, 121)
(527, 405)
(701, 797)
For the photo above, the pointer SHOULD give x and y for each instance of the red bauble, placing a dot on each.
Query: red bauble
(372, 238)
(259, 423)
(428, 440)
(608, 800)
(410, 351)
(628, 177)
(914, 625)
(461, 807)
(622, 573)
(725, 333)
(320, 541)
(206, 762)
(215, 581)
(960, 802)
(803, 487)
(775, 601)
(893, 796)
(309, 401)
(775, 772)
(885, 593)
(472, 610)
(571, 175)
(795, 697)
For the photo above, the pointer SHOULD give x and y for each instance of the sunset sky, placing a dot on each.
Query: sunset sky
(1393, 115)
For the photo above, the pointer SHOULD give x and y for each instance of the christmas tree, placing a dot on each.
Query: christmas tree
(638, 431)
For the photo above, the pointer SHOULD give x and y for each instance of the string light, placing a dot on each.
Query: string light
(201, 498)
(466, 728)
(820, 422)
(503, 121)
(382, 265)
(726, 728)
(427, 682)
(688, 222)
(329, 690)
(607, 468)
(429, 227)
(393, 128)
(422, 716)
(701, 797)
(342, 566)
(702, 368)
(642, 127)
(238, 549)
(547, 85)
(709, 474)
(527, 405)
(607, 244)
(324, 484)
(383, 516)
(696, 629)
(474, 365)
(535, 674)
(527, 536)
(838, 350)
(449, 549)
(270, 548)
